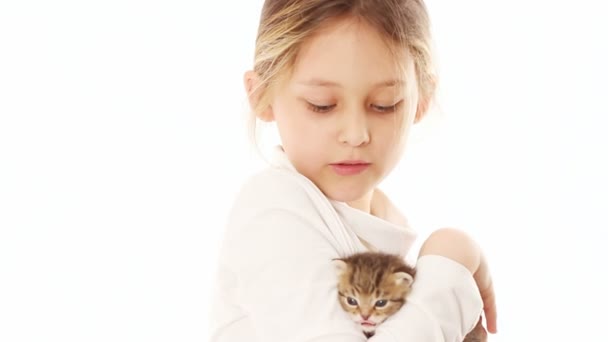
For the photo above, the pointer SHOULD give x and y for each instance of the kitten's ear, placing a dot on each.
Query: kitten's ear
(403, 278)
(339, 265)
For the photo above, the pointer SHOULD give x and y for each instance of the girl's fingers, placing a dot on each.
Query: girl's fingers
(489, 308)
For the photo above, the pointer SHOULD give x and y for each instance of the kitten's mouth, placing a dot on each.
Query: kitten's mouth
(368, 324)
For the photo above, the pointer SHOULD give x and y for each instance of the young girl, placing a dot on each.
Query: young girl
(343, 81)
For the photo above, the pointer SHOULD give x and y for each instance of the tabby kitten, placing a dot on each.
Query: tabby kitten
(372, 286)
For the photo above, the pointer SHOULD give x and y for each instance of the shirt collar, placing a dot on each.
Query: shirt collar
(389, 231)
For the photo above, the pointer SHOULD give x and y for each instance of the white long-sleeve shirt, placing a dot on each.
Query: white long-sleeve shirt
(276, 282)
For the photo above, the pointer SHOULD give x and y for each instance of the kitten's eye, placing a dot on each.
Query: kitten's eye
(380, 303)
(351, 301)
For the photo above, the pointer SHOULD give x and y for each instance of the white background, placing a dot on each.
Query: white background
(122, 143)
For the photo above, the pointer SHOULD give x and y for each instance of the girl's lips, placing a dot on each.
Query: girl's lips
(350, 168)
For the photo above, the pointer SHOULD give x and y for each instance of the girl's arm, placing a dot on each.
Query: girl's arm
(444, 304)
(286, 281)
(458, 246)
(287, 285)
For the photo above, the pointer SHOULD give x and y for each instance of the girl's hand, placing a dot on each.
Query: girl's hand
(458, 246)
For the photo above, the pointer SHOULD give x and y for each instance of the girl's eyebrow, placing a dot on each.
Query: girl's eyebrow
(318, 82)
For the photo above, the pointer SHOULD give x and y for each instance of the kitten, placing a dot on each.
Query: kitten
(372, 286)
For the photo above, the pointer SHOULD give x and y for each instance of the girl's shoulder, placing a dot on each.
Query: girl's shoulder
(280, 205)
(277, 189)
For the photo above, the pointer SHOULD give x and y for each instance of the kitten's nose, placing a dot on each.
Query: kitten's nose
(365, 317)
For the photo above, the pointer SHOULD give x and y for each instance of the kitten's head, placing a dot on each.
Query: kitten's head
(372, 286)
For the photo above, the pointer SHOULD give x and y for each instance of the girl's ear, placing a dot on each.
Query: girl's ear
(423, 106)
(254, 90)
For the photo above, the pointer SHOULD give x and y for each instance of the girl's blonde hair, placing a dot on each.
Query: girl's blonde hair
(286, 24)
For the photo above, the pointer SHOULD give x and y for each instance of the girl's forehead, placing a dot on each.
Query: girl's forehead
(351, 53)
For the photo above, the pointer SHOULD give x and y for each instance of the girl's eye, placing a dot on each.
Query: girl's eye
(320, 108)
(351, 301)
(386, 109)
(380, 303)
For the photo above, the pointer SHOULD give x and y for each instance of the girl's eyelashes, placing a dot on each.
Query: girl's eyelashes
(376, 108)
(386, 109)
(320, 108)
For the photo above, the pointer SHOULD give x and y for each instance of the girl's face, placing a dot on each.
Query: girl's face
(344, 115)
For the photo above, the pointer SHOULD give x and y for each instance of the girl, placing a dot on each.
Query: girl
(343, 81)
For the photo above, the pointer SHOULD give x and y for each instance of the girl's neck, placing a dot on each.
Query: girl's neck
(374, 203)
(380, 206)
(364, 203)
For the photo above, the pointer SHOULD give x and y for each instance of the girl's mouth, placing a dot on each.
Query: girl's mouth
(347, 168)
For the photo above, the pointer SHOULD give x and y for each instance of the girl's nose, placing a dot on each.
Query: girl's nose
(354, 129)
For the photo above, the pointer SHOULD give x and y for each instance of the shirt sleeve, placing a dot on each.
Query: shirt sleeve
(444, 305)
(286, 282)
(287, 287)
